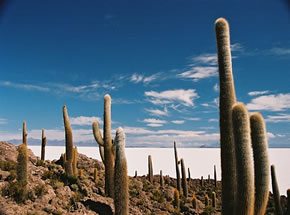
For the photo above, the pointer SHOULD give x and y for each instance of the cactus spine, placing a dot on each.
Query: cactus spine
(106, 142)
(178, 182)
(75, 161)
(261, 163)
(184, 182)
(214, 175)
(227, 100)
(22, 165)
(161, 179)
(43, 144)
(276, 193)
(245, 175)
(24, 133)
(121, 197)
(68, 143)
(150, 169)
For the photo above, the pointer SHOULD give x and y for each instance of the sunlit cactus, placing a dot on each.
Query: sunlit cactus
(261, 163)
(194, 202)
(150, 169)
(106, 146)
(184, 182)
(276, 192)
(68, 143)
(226, 100)
(75, 161)
(178, 182)
(24, 133)
(176, 200)
(121, 196)
(43, 144)
(244, 160)
(22, 165)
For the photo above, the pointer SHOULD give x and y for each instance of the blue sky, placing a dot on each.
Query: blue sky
(157, 59)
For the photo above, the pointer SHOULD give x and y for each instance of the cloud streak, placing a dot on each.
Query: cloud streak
(278, 102)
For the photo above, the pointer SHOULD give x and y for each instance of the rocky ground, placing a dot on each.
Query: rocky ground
(50, 191)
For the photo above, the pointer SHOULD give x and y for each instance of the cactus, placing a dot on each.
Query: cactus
(214, 175)
(276, 193)
(178, 182)
(189, 177)
(201, 181)
(107, 153)
(136, 174)
(208, 179)
(261, 163)
(121, 197)
(227, 100)
(194, 202)
(245, 175)
(43, 144)
(22, 165)
(95, 175)
(24, 133)
(176, 200)
(213, 199)
(150, 169)
(68, 143)
(184, 182)
(161, 179)
(206, 200)
(288, 202)
(75, 161)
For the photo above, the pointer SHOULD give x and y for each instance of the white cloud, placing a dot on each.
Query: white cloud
(278, 118)
(193, 119)
(271, 135)
(158, 112)
(178, 122)
(216, 87)
(154, 125)
(84, 120)
(213, 120)
(29, 87)
(185, 97)
(236, 47)
(259, 93)
(3, 121)
(199, 72)
(280, 51)
(272, 102)
(152, 120)
(209, 59)
(139, 78)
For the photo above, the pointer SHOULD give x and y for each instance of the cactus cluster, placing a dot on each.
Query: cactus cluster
(244, 157)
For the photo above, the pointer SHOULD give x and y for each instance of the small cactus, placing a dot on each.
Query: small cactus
(244, 161)
(43, 144)
(276, 192)
(136, 174)
(201, 181)
(184, 182)
(176, 200)
(121, 196)
(261, 163)
(24, 133)
(226, 100)
(68, 143)
(178, 182)
(213, 199)
(150, 169)
(161, 179)
(22, 165)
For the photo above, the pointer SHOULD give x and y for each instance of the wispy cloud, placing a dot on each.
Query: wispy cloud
(185, 97)
(199, 72)
(280, 51)
(157, 112)
(259, 93)
(209, 59)
(152, 122)
(278, 102)
(278, 118)
(216, 87)
(236, 47)
(29, 87)
(193, 119)
(84, 120)
(140, 78)
(178, 122)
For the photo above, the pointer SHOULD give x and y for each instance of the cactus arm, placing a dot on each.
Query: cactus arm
(101, 150)
(97, 133)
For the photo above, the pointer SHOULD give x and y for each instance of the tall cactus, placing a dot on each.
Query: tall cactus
(261, 163)
(161, 179)
(150, 169)
(75, 161)
(184, 182)
(106, 142)
(245, 175)
(43, 144)
(24, 133)
(178, 182)
(121, 197)
(276, 193)
(214, 175)
(22, 165)
(227, 100)
(68, 143)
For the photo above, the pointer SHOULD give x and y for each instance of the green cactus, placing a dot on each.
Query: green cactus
(75, 161)
(184, 182)
(178, 182)
(43, 144)
(176, 200)
(105, 142)
(245, 168)
(121, 197)
(22, 165)
(227, 100)
(150, 169)
(261, 163)
(68, 143)
(24, 133)
(161, 179)
(214, 175)
(276, 193)
(213, 200)
(288, 202)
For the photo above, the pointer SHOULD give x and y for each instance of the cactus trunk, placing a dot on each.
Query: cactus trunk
(150, 169)
(43, 144)
(22, 165)
(276, 193)
(227, 100)
(184, 182)
(24, 133)
(214, 175)
(68, 142)
(75, 161)
(178, 182)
